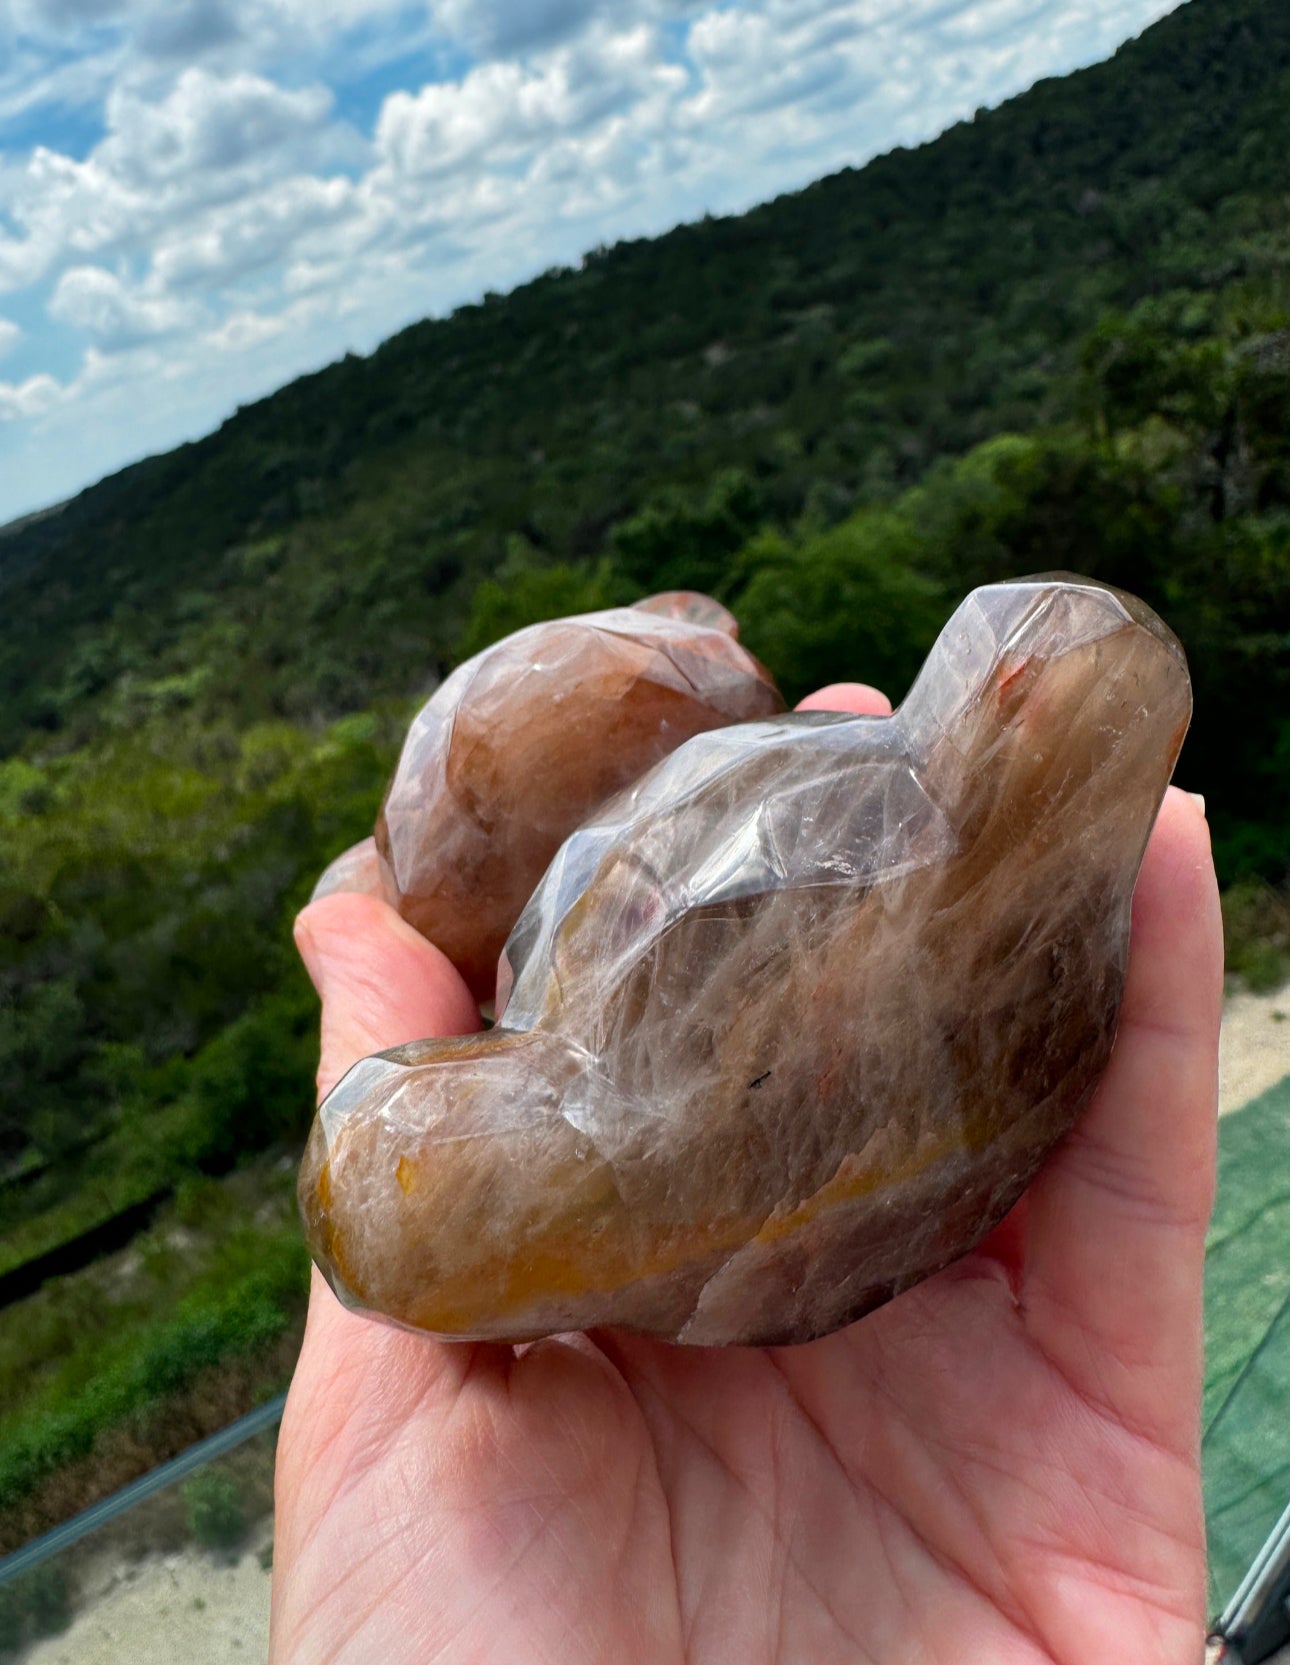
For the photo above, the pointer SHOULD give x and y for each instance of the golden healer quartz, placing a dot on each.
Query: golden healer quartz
(521, 743)
(790, 1022)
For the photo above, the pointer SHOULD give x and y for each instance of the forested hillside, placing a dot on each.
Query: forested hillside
(1058, 337)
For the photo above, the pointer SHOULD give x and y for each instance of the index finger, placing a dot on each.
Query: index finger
(857, 697)
(381, 983)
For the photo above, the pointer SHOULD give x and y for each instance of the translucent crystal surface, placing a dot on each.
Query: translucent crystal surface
(523, 741)
(790, 1023)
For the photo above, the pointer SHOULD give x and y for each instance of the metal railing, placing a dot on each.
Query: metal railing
(60, 1538)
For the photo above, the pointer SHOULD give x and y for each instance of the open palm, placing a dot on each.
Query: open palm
(1000, 1466)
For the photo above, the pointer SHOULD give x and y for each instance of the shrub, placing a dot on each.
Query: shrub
(1256, 928)
(37, 1604)
(214, 1506)
(10, 1621)
(45, 1596)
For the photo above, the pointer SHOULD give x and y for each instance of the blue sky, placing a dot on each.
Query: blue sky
(200, 199)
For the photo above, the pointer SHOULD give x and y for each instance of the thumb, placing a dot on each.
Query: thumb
(381, 983)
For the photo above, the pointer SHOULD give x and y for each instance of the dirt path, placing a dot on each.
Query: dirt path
(189, 1607)
(1255, 1050)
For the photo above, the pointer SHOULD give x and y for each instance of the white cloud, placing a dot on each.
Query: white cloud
(750, 65)
(244, 330)
(208, 124)
(507, 28)
(238, 239)
(209, 140)
(502, 27)
(67, 14)
(189, 31)
(501, 111)
(33, 80)
(98, 302)
(988, 20)
(324, 19)
(209, 226)
(10, 335)
(30, 398)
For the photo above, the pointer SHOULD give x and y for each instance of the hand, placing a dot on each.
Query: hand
(1001, 1466)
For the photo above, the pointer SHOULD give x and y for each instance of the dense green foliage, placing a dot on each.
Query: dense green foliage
(213, 1280)
(1058, 337)
(156, 1018)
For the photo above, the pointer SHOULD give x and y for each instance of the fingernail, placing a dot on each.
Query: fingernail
(1198, 798)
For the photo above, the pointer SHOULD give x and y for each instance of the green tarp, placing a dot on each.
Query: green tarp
(1247, 1336)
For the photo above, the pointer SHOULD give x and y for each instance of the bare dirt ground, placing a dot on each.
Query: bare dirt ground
(1255, 1050)
(192, 1607)
(195, 1608)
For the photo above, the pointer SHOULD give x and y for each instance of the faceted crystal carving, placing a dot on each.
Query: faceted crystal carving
(522, 742)
(790, 1023)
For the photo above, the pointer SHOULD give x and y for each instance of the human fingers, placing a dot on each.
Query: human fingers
(381, 983)
(1116, 1223)
(357, 1384)
(857, 697)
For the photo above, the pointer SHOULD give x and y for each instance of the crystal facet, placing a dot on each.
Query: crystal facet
(790, 1023)
(519, 745)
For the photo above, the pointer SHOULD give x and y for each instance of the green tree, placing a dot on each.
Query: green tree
(849, 604)
(682, 542)
(527, 591)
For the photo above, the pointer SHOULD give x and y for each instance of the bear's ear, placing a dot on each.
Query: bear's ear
(1003, 636)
